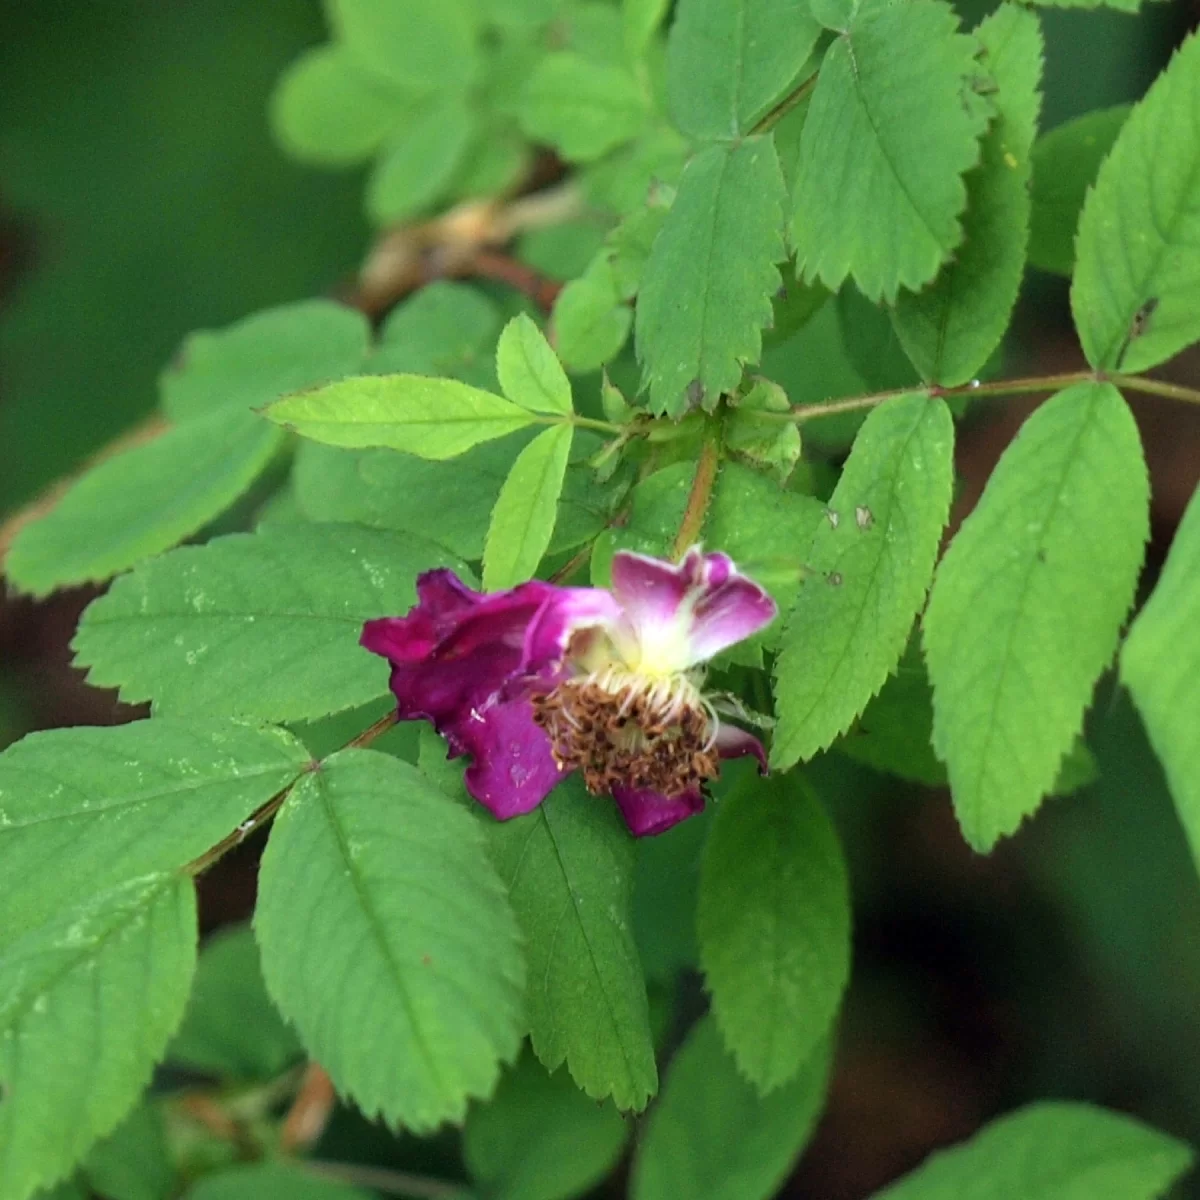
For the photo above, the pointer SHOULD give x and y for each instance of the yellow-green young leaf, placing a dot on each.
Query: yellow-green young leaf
(431, 418)
(712, 1135)
(640, 20)
(1028, 603)
(950, 329)
(706, 290)
(523, 519)
(326, 110)
(231, 1029)
(868, 568)
(261, 625)
(1051, 1151)
(83, 809)
(88, 1000)
(418, 164)
(888, 137)
(583, 109)
(1065, 164)
(1136, 293)
(541, 1138)
(261, 358)
(1160, 664)
(377, 886)
(529, 370)
(142, 502)
(420, 44)
(774, 926)
(569, 870)
(728, 59)
(590, 321)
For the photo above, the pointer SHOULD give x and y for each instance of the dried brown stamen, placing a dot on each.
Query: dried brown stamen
(629, 736)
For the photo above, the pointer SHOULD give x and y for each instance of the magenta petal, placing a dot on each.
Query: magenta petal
(512, 770)
(647, 813)
(733, 742)
(649, 589)
(564, 612)
(727, 614)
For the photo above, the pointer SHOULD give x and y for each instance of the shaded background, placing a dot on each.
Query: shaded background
(141, 198)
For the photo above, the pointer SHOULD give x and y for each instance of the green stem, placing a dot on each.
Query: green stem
(796, 97)
(266, 813)
(998, 387)
(383, 1179)
(698, 499)
(581, 422)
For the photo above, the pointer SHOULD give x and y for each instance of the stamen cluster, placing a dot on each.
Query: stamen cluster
(620, 730)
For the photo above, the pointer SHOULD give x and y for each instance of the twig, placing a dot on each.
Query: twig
(310, 1110)
(698, 499)
(383, 1179)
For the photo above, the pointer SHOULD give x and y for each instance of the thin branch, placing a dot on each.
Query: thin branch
(793, 99)
(698, 499)
(310, 1110)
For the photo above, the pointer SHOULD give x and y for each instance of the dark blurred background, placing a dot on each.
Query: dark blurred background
(141, 198)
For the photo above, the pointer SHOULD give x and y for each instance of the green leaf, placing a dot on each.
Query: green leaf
(264, 356)
(641, 19)
(261, 625)
(420, 44)
(328, 112)
(590, 322)
(231, 1028)
(541, 1138)
(774, 926)
(1160, 664)
(444, 329)
(728, 59)
(869, 565)
(629, 246)
(895, 732)
(418, 163)
(620, 181)
(523, 519)
(143, 501)
(133, 1162)
(273, 1181)
(1065, 164)
(887, 139)
(397, 491)
(529, 371)
(666, 885)
(569, 870)
(431, 418)
(1028, 603)
(376, 885)
(83, 809)
(1136, 292)
(950, 329)
(88, 1000)
(1053, 1150)
(706, 291)
(583, 109)
(712, 1135)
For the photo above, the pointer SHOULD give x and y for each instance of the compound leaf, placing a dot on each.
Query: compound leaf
(950, 329)
(1136, 292)
(868, 567)
(707, 287)
(387, 940)
(1028, 603)
(888, 136)
(261, 625)
(774, 926)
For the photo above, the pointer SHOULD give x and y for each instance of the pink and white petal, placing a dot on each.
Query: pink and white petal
(727, 614)
(648, 812)
(512, 769)
(563, 613)
(651, 590)
(733, 742)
